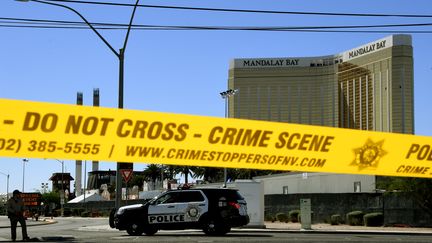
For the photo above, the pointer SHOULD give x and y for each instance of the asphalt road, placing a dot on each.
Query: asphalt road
(94, 230)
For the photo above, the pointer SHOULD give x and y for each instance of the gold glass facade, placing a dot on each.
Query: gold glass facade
(369, 88)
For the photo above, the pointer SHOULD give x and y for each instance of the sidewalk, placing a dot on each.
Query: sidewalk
(316, 228)
(269, 227)
(342, 228)
(5, 223)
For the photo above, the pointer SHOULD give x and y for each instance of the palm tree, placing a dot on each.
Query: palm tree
(152, 172)
(137, 180)
(186, 171)
(209, 174)
(169, 171)
(250, 173)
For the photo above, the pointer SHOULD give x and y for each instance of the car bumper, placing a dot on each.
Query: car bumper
(238, 221)
(120, 222)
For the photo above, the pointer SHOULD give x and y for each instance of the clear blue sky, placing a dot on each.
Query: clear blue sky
(177, 71)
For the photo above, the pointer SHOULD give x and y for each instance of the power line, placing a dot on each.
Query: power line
(167, 28)
(48, 21)
(180, 29)
(18, 21)
(251, 10)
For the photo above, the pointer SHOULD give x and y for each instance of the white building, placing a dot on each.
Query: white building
(297, 182)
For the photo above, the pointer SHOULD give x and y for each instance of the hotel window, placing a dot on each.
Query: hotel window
(285, 190)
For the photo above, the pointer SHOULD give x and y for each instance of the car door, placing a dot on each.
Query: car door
(164, 210)
(192, 204)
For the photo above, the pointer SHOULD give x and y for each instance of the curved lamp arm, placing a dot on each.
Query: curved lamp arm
(82, 17)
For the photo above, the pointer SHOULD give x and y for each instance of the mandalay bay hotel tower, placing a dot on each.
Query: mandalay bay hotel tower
(369, 87)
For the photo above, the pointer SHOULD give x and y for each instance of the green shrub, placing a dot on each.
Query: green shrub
(95, 213)
(105, 214)
(294, 215)
(56, 213)
(355, 218)
(85, 214)
(373, 219)
(67, 212)
(77, 211)
(335, 219)
(282, 217)
(269, 217)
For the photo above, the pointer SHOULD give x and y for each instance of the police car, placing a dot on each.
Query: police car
(214, 210)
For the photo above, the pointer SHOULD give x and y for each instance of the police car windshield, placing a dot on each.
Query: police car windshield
(161, 198)
(155, 198)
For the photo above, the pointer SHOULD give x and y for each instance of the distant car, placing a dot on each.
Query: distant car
(214, 210)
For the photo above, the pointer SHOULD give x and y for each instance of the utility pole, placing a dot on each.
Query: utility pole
(120, 56)
(7, 188)
(62, 193)
(24, 161)
(226, 95)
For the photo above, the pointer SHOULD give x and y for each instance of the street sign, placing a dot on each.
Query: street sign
(126, 174)
(31, 199)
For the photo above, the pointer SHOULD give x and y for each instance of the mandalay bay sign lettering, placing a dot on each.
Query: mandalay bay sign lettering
(319, 61)
(271, 62)
(367, 49)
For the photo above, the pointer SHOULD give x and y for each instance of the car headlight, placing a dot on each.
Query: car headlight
(120, 211)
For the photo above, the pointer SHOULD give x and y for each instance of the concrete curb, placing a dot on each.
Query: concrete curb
(33, 223)
(347, 229)
(312, 231)
(269, 228)
(101, 228)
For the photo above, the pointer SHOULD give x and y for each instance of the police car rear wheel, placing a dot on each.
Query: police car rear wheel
(213, 227)
(135, 229)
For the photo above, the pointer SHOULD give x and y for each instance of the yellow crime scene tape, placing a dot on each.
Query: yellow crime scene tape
(45, 130)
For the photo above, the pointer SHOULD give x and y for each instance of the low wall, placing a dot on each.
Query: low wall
(99, 207)
(397, 208)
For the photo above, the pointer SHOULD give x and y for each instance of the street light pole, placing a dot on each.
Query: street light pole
(7, 185)
(62, 195)
(120, 56)
(226, 95)
(24, 161)
(44, 187)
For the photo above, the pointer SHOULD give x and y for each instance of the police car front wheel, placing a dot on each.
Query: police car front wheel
(135, 229)
(150, 230)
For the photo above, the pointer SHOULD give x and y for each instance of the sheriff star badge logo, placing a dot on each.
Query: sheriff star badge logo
(368, 155)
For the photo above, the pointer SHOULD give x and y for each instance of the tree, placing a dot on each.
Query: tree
(169, 171)
(136, 180)
(186, 171)
(51, 197)
(209, 174)
(152, 172)
(250, 173)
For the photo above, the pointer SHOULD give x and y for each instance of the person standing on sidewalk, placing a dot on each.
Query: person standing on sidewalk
(15, 208)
